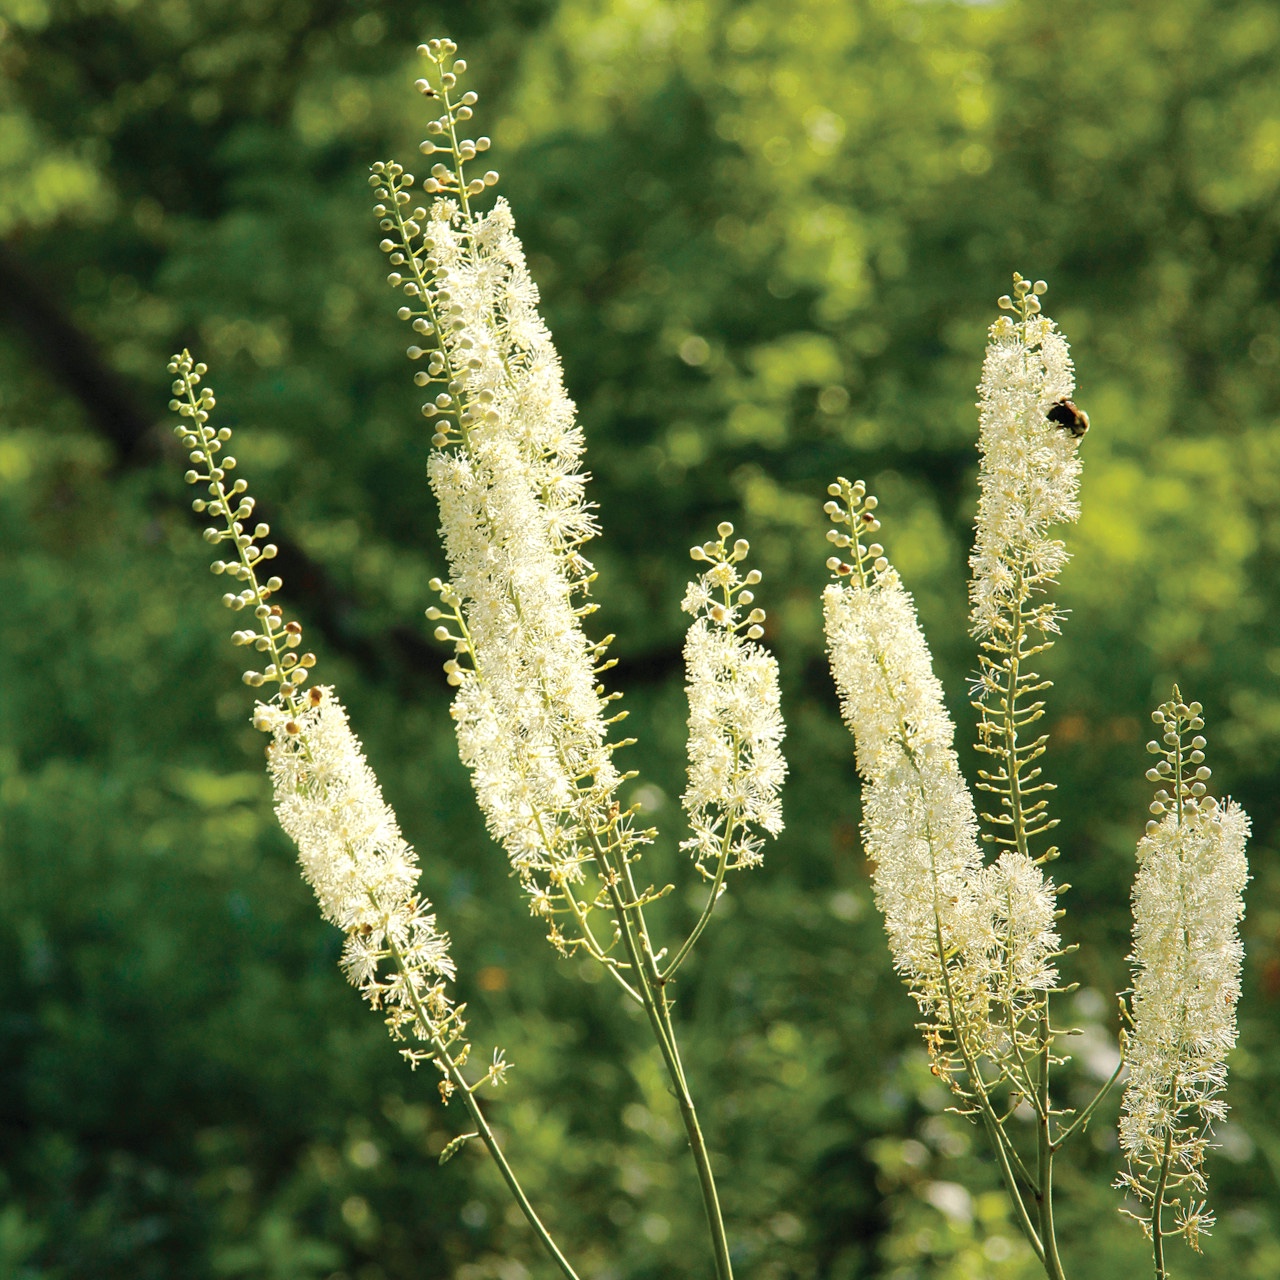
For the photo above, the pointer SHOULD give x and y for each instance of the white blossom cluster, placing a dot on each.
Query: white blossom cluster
(918, 821)
(363, 872)
(736, 768)
(975, 943)
(530, 713)
(1187, 905)
(1030, 474)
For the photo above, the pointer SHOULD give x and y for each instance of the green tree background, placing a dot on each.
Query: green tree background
(769, 238)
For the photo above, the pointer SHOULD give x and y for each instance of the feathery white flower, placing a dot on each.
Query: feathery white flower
(1187, 954)
(974, 943)
(736, 768)
(1030, 474)
(363, 872)
(917, 815)
(1020, 903)
(530, 712)
(327, 798)
(1029, 480)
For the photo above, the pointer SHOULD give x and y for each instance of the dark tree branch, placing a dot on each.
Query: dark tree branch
(69, 356)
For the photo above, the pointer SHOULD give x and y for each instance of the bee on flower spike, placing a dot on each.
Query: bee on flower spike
(1066, 415)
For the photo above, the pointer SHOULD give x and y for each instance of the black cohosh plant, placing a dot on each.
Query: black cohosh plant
(976, 940)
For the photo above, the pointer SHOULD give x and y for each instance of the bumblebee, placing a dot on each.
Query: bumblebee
(1066, 415)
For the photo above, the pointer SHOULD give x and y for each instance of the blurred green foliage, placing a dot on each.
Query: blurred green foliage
(769, 239)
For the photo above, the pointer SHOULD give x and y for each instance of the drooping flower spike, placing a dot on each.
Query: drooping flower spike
(352, 854)
(327, 799)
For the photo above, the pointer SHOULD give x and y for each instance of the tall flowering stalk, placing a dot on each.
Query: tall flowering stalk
(1029, 481)
(976, 942)
(533, 717)
(1187, 904)
(327, 799)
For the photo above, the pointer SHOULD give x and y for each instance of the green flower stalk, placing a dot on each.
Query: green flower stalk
(363, 872)
(977, 943)
(1187, 906)
(532, 714)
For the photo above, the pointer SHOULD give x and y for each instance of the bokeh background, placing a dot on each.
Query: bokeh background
(769, 239)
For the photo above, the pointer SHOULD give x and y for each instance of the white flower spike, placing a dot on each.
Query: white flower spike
(1187, 906)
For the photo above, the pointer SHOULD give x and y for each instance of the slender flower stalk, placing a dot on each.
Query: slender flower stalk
(1029, 477)
(533, 718)
(352, 854)
(976, 943)
(1187, 905)
(736, 768)
(973, 943)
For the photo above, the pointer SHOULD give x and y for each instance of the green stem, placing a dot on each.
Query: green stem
(1004, 1150)
(1157, 1210)
(999, 1140)
(1045, 1145)
(629, 913)
(454, 1074)
(1044, 1152)
(594, 949)
(703, 920)
(1083, 1118)
(636, 937)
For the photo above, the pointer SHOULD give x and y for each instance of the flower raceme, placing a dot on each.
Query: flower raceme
(327, 799)
(1029, 479)
(736, 767)
(1187, 905)
(532, 716)
(363, 872)
(976, 943)
(973, 943)
(531, 712)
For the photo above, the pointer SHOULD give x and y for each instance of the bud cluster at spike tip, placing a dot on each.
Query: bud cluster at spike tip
(232, 506)
(736, 768)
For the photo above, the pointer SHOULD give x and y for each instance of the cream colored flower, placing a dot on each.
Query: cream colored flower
(736, 767)
(363, 872)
